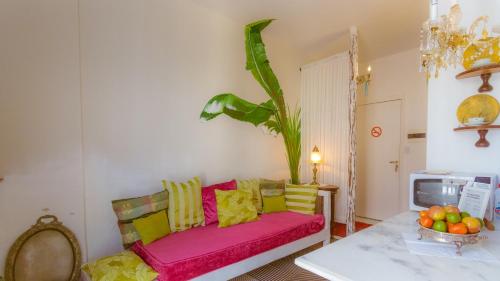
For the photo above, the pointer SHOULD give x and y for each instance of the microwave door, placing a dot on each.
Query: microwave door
(431, 192)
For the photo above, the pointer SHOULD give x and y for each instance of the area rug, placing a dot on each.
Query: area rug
(285, 268)
(340, 228)
(282, 270)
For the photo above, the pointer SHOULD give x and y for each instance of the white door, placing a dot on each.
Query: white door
(378, 141)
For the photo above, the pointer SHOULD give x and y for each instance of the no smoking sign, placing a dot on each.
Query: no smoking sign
(376, 131)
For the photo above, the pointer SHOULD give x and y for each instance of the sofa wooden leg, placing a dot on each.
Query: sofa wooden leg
(326, 242)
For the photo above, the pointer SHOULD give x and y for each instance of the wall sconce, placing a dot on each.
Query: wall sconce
(365, 79)
(315, 160)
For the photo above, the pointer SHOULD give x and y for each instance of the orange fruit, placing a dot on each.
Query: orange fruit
(426, 222)
(449, 225)
(458, 228)
(423, 213)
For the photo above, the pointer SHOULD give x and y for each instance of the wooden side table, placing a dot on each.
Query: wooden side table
(333, 190)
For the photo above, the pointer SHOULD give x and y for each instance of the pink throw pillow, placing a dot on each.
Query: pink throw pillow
(208, 200)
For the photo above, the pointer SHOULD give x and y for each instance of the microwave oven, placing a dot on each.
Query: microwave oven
(428, 189)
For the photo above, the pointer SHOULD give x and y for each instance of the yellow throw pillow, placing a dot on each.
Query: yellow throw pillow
(152, 227)
(129, 209)
(301, 198)
(252, 185)
(125, 266)
(185, 209)
(273, 204)
(235, 207)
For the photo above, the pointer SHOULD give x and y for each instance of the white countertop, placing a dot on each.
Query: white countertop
(380, 253)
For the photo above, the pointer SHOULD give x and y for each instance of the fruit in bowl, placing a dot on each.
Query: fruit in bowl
(449, 219)
(437, 213)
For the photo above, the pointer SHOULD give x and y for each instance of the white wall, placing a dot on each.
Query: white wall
(397, 77)
(161, 63)
(119, 86)
(40, 117)
(394, 77)
(451, 150)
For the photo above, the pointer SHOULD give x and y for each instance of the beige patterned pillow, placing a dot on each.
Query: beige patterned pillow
(127, 210)
(272, 188)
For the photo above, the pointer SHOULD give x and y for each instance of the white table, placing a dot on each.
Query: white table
(379, 253)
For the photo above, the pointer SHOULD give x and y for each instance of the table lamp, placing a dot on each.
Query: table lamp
(315, 159)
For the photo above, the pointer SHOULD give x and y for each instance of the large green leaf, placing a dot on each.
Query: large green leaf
(257, 61)
(238, 108)
(273, 114)
(272, 126)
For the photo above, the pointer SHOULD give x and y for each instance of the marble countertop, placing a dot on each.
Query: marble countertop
(380, 253)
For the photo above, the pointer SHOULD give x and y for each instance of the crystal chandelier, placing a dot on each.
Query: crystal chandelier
(442, 41)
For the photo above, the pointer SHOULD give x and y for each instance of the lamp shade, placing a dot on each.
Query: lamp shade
(315, 156)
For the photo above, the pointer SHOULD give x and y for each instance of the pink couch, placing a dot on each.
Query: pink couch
(188, 254)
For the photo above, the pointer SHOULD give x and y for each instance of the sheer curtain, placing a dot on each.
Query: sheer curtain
(324, 101)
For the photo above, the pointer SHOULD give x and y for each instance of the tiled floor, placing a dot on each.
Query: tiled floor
(340, 228)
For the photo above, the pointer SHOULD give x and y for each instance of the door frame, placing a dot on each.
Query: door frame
(402, 164)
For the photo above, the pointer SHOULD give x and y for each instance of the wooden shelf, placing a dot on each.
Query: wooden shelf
(478, 71)
(481, 130)
(484, 72)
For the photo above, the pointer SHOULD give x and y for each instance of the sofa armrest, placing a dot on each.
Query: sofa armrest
(323, 206)
(319, 205)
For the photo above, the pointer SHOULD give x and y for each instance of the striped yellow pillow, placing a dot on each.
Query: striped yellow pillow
(252, 185)
(185, 209)
(301, 198)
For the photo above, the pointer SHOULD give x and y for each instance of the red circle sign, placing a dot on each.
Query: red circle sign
(376, 132)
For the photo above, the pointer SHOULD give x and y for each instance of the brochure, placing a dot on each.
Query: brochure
(475, 198)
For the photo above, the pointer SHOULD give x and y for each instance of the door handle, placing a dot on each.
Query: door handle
(396, 165)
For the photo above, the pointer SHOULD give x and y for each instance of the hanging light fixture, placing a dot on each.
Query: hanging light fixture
(442, 40)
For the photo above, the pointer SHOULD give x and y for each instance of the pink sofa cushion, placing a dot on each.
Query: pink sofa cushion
(208, 199)
(185, 255)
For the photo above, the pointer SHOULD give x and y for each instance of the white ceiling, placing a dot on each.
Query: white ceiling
(385, 26)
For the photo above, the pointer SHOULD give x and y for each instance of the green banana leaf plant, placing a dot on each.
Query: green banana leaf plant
(273, 114)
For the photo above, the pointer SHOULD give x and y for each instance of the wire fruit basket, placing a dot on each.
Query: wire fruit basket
(458, 240)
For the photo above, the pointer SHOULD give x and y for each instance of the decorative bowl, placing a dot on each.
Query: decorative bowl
(480, 105)
(457, 239)
(482, 52)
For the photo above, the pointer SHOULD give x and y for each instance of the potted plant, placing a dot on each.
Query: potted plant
(273, 114)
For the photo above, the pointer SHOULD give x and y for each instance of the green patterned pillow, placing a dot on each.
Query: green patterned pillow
(185, 204)
(127, 210)
(235, 207)
(252, 185)
(301, 198)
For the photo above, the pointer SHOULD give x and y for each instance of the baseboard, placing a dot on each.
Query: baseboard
(342, 219)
